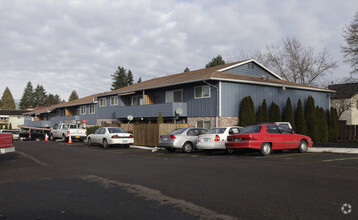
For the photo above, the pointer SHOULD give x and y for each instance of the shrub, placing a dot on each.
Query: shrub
(265, 117)
(274, 113)
(92, 129)
(322, 127)
(288, 114)
(311, 119)
(300, 121)
(333, 125)
(246, 112)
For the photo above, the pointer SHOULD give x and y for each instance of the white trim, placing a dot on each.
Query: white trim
(89, 110)
(166, 97)
(219, 95)
(105, 102)
(249, 61)
(83, 107)
(273, 84)
(110, 100)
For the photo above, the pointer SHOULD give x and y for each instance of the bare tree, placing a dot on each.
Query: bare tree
(295, 62)
(341, 105)
(350, 51)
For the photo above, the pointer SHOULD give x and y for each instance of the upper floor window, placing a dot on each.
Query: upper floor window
(137, 100)
(102, 102)
(91, 109)
(202, 92)
(114, 100)
(83, 110)
(174, 96)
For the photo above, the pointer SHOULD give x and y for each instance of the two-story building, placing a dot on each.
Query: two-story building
(206, 98)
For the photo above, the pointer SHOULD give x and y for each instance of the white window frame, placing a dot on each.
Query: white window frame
(172, 92)
(92, 109)
(113, 100)
(140, 100)
(202, 96)
(102, 102)
(208, 123)
(83, 110)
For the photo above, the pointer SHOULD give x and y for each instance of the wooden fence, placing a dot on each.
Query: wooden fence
(149, 134)
(348, 132)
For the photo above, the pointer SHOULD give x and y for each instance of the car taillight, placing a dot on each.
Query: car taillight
(172, 137)
(115, 136)
(217, 138)
(130, 136)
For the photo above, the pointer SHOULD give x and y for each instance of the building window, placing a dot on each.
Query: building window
(202, 92)
(102, 102)
(58, 113)
(83, 110)
(91, 109)
(204, 124)
(137, 100)
(174, 96)
(114, 100)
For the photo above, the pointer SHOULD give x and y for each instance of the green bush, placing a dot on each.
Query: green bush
(333, 125)
(92, 129)
(274, 113)
(246, 112)
(300, 121)
(288, 114)
(265, 117)
(311, 119)
(322, 127)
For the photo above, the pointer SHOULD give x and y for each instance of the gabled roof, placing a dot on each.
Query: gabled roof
(344, 91)
(212, 73)
(12, 112)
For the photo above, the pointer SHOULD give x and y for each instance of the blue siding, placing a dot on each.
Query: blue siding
(233, 93)
(250, 69)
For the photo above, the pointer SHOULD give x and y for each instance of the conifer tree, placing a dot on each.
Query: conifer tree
(333, 125)
(288, 114)
(27, 100)
(300, 121)
(251, 109)
(311, 119)
(322, 125)
(40, 96)
(73, 96)
(160, 118)
(215, 62)
(7, 101)
(247, 112)
(129, 78)
(259, 115)
(274, 113)
(265, 116)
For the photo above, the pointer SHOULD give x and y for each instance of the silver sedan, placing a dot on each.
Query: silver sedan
(107, 136)
(183, 138)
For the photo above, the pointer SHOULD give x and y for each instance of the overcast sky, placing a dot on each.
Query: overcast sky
(77, 44)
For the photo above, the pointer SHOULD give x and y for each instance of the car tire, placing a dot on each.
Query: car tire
(89, 142)
(171, 150)
(229, 151)
(52, 138)
(208, 152)
(64, 139)
(105, 143)
(127, 146)
(265, 149)
(187, 147)
(303, 147)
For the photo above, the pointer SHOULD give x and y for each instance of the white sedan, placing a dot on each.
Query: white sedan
(107, 136)
(215, 139)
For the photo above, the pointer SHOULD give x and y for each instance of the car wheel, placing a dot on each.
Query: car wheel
(303, 147)
(229, 151)
(208, 152)
(171, 150)
(89, 142)
(105, 144)
(265, 149)
(127, 145)
(52, 138)
(187, 147)
(63, 138)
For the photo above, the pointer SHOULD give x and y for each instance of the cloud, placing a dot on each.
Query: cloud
(76, 45)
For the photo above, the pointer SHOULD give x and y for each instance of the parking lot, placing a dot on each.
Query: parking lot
(55, 180)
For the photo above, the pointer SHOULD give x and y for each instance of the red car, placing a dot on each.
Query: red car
(268, 137)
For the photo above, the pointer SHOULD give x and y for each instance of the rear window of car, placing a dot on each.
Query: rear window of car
(178, 131)
(251, 129)
(217, 131)
(116, 130)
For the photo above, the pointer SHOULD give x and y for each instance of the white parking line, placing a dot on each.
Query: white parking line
(340, 159)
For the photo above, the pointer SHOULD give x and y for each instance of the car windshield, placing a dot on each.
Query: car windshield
(178, 131)
(116, 130)
(251, 129)
(217, 131)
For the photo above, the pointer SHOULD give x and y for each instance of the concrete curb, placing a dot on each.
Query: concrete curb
(333, 150)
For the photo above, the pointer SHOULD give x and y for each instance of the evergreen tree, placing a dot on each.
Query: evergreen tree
(300, 121)
(7, 101)
(259, 115)
(215, 62)
(333, 125)
(10, 126)
(288, 114)
(274, 113)
(27, 100)
(160, 118)
(73, 96)
(311, 119)
(40, 96)
(186, 70)
(139, 80)
(265, 116)
(247, 112)
(119, 78)
(252, 118)
(130, 78)
(53, 100)
(322, 125)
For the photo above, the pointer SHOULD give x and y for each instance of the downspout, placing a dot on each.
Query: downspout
(218, 106)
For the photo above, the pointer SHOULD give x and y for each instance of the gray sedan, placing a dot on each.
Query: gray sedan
(107, 136)
(183, 138)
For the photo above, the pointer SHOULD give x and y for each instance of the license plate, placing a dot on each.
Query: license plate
(237, 139)
(77, 136)
(124, 141)
(206, 139)
(165, 139)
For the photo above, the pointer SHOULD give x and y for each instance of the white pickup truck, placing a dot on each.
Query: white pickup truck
(63, 130)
